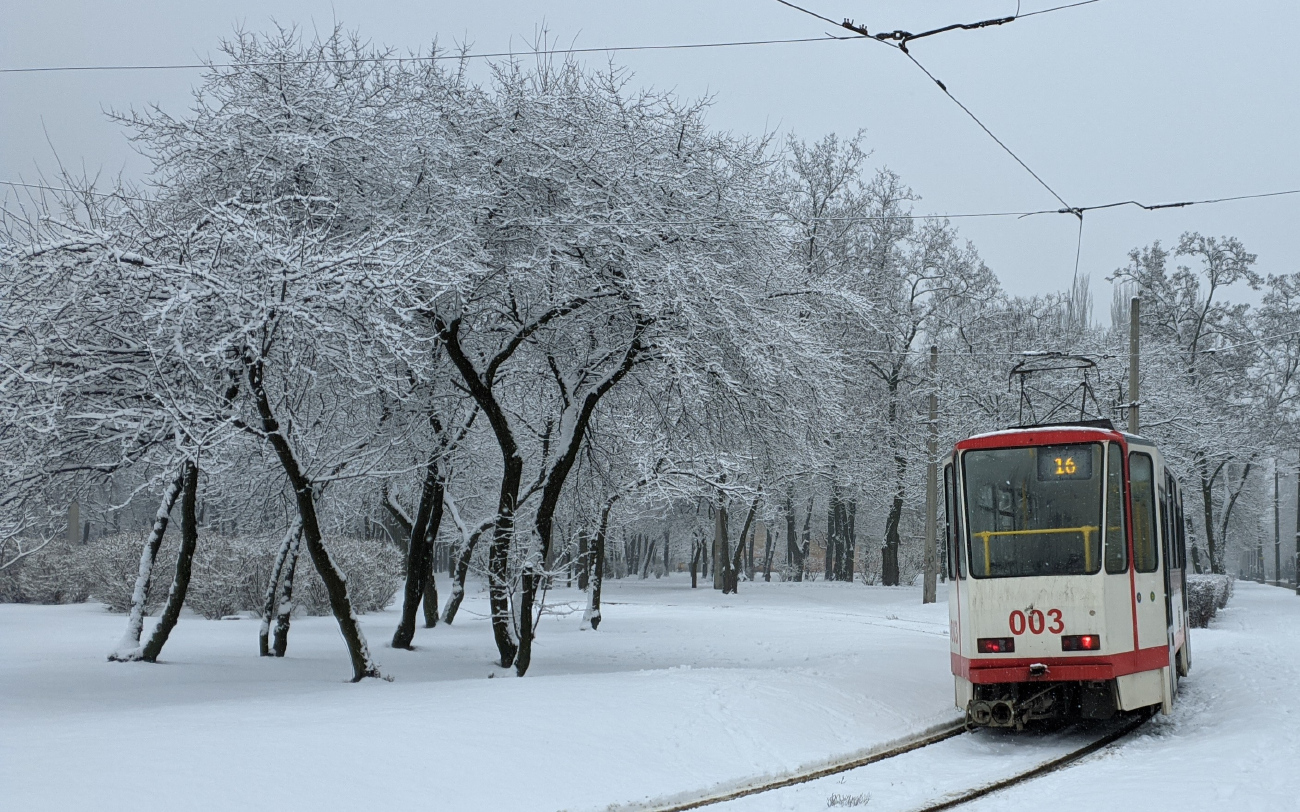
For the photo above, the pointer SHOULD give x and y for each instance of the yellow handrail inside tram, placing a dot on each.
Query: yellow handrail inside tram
(1087, 532)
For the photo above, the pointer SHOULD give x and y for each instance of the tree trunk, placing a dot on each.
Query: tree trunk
(667, 563)
(749, 556)
(850, 539)
(592, 615)
(768, 549)
(128, 648)
(830, 543)
(720, 545)
(697, 553)
(184, 562)
(430, 602)
(734, 565)
(649, 556)
(1207, 508)
(499, 562)
(458, 584)
(335, 583)
(419, 556)
(889, 570)
(793, 552)
(268, 601)
(284, 609)
(584, 566)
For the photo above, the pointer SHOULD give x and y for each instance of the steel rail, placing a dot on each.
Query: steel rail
(924, 740)
(1042, 769)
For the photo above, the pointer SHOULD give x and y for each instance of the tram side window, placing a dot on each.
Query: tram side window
(956, 564)
(1116, 538)
(1171, 527)
(1142, 484)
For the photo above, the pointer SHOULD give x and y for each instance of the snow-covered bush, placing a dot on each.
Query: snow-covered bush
(374, 569)
(55, 574)
(229, 575)
(1206, 595)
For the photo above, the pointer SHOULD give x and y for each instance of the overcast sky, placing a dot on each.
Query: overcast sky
(1154, 100)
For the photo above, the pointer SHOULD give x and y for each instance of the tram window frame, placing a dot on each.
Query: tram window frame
(1115, 565)
(971, 502)
(1162, 502)
(1178, 539)
(956, 549)
(1171, 530)
(1151, 546)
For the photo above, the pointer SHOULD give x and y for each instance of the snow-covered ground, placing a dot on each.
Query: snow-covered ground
(680, 691)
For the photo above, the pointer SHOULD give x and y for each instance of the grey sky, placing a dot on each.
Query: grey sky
(1155, 100)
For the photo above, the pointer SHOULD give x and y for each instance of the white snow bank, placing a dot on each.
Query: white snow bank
(680, 690)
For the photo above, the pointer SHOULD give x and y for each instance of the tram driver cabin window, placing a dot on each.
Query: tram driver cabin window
(1034, 511)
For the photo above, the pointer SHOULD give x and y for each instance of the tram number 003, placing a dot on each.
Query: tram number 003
(1035, 622)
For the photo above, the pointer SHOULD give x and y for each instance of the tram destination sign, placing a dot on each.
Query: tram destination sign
(1059, 462)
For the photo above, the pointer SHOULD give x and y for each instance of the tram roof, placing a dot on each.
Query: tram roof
(1051, 434)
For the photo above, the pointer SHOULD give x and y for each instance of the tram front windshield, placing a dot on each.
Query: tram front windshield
(1034, 511)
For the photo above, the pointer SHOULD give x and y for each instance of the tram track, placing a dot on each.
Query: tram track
(1041, 769)
(931, 737)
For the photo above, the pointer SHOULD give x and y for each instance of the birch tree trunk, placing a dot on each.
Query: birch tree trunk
(284, 609)
(128, 648)
(458, 584)
(268, 601)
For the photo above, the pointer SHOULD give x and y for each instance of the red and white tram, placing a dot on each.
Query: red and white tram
(1066, 551)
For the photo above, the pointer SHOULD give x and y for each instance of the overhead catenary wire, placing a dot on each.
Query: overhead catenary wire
(779, 218)
(903, 37)
(427, 58)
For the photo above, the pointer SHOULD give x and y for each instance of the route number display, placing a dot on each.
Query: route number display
(1035, 622)
(1064, 462)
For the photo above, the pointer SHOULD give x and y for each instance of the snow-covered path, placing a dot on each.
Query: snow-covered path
(679, 691)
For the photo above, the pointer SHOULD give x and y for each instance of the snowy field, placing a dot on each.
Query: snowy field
(679, 692)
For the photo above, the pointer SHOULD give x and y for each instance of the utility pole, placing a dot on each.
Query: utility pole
(930, 590)
(1134, 309)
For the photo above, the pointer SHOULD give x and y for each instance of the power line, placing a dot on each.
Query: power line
(93, 193)
(741, 220)
(430, 58)
(597, 223)
(1179, 205)
(902, 37)
(1067, 207)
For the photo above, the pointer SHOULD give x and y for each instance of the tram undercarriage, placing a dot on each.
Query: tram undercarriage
(1016, 704)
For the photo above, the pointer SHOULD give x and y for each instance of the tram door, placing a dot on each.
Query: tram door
(1145, 495)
